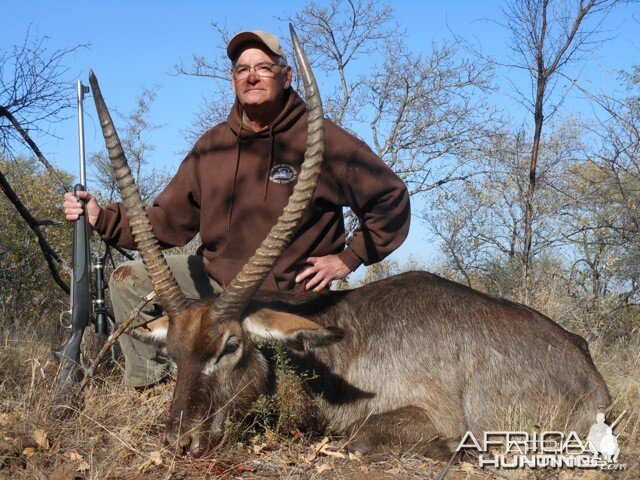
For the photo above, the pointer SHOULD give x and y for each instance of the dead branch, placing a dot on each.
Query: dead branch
(90, 371)
(50, 254)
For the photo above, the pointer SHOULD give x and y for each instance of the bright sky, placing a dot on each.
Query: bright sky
(136, 44)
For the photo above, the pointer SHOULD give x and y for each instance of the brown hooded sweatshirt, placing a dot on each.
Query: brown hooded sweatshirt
(235, 183)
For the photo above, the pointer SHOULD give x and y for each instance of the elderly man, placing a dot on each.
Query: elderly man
(233, 185)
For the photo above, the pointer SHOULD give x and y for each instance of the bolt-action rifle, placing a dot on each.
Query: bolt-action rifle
(87, 306)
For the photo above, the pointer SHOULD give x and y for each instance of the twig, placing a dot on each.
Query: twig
(447, 467)
(88, 373)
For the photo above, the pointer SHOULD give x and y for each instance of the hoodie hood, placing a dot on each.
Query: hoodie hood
(293, 108)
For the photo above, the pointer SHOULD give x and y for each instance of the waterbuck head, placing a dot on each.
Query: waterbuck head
(212, 343)
(220, 370)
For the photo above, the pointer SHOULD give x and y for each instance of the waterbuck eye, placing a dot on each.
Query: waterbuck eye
(232, 345)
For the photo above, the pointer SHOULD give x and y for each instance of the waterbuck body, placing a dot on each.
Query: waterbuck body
(413, 361)
(444, 356)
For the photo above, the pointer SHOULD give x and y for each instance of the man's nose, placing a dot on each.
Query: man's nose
(253, 76)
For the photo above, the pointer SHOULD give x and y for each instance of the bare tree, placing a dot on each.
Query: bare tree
(213, 110)
(429, 114)
(336, 36)
(604, 223)
(547, 36)
(481, 221)
(35, 94)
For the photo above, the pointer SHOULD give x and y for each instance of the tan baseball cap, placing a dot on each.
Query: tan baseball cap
(258, 36)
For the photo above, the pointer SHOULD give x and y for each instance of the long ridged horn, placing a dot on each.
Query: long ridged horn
(233, 300)
(164, 284)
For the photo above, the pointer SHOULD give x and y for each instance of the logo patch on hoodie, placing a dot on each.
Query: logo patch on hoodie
(283, 173)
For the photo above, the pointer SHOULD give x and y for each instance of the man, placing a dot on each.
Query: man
(234, 184)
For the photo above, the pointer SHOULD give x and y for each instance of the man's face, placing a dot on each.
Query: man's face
(256, 90)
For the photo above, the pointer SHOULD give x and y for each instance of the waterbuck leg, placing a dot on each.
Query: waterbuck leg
(406, 429)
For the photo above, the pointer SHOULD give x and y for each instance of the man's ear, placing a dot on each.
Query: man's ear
(233, 84)
(292, 330)
(288, 77)
(152, 333)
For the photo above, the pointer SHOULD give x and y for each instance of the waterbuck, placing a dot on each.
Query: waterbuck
(414, 360)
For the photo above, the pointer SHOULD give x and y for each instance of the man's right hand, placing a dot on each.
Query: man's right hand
(73, 207)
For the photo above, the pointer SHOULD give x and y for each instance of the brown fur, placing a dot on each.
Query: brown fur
(412, 361)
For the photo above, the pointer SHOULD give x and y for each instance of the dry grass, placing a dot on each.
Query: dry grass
(118, 432)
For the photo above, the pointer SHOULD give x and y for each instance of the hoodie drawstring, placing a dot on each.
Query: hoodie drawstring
(271, 156)
(272, 145)
(235, 178)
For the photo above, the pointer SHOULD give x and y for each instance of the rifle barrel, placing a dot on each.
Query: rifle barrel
(81, 90)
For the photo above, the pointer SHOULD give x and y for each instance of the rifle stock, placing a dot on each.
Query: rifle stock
(82, 302)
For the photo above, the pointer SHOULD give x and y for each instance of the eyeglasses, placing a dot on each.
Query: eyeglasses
(264, 69)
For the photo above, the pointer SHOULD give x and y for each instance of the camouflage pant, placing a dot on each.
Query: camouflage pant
(129, 283)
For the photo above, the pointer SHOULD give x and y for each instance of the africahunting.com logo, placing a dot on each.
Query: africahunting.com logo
(547, 449)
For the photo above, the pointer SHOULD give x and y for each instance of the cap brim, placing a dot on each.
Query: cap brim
(242, 38)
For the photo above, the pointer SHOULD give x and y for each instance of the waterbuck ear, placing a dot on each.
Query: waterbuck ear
(152, 333)
(292, 330)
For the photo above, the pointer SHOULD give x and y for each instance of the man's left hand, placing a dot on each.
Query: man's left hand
(322, 271)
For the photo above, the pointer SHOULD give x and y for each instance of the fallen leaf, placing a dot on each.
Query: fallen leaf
(315, 449)
(323, 468)
(40, 437)
(74, 456)
(364, 468)
(156, 458)
(353, 456)
(28, 452)
(83, 467)
(468, 467)
(325, 451)
(259, 448)
(153, 392)
(395, 471)
(4, 419)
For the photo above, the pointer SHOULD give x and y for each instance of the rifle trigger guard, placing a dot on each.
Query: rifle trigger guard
(63, 323)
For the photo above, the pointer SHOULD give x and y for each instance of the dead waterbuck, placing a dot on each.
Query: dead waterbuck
(414, 360)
